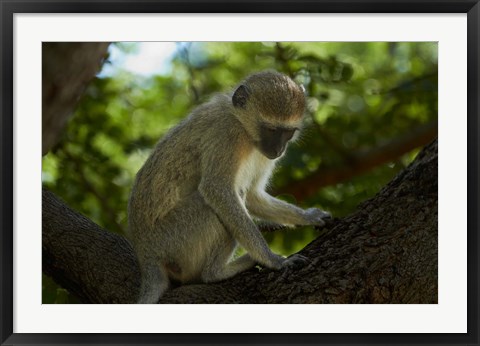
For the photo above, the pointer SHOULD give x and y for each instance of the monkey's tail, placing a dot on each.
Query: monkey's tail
(154, 283)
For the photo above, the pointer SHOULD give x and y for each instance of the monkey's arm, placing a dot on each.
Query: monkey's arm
(226, 204)
(266, 207)
(217, 187)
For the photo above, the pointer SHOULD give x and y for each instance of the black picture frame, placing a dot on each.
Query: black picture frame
(10, 7)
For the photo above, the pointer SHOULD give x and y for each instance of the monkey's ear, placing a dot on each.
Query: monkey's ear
(302, 88)
(240, 96)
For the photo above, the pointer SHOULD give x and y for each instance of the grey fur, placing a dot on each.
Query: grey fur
(192, 201)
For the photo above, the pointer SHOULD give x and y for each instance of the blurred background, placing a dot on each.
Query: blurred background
(371, 107)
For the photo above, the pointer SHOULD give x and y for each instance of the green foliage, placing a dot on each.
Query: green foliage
(360, 96)
(53, 294)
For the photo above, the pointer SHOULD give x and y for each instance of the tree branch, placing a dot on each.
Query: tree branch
(386, 252)
(96, 265)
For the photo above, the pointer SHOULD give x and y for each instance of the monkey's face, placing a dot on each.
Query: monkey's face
(270, 107)
(274, 139)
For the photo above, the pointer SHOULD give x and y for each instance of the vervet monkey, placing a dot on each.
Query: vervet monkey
(193, 200)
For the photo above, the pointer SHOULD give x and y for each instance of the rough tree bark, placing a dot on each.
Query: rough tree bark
(385, 252)
(96, 265)
(66, 70)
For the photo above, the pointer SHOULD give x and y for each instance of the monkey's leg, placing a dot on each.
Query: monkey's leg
(221, 270)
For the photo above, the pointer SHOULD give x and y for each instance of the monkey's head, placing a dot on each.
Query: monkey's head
(270, 107)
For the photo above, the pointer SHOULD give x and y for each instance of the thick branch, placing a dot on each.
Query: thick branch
(386, 252)
(96, 265)
(361, 162)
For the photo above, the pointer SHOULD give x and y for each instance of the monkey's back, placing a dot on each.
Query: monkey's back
(173, 170)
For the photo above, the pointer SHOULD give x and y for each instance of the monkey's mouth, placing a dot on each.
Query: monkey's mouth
(273, 154)
(271, 150)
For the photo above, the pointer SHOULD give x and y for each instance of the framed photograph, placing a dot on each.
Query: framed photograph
(240, 172)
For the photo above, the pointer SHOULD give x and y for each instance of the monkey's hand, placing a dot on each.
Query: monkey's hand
(295, 262)
(316, 217)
